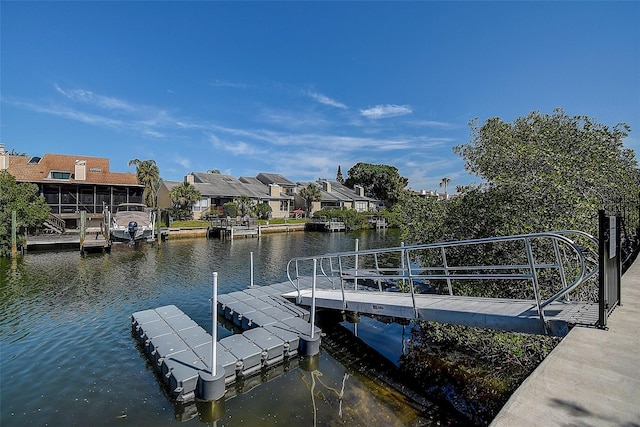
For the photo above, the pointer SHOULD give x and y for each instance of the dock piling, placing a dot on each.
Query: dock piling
(211, 386)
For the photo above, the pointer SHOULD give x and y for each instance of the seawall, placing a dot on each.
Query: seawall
(592, 378)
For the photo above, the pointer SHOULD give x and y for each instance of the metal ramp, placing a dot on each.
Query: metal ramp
(403, 282)
(492, 313)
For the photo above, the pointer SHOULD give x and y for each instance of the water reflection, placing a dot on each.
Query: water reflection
(68, 357)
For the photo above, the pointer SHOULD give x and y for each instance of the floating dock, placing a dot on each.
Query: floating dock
(178, 348)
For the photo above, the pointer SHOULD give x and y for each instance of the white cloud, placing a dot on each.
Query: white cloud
(185, 163)
(237, 148)
(227, 83)
(384, 111)
(433, 124)
(89, 97)
(323, 99)
(153, 133)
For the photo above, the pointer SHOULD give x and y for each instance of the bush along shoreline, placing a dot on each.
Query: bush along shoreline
(475, 370)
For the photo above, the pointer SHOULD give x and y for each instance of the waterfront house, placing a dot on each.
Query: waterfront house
(334, 195)
(281, 193)
(217, 189)
(74, 183)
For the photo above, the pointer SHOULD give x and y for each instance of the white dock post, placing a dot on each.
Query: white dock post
(214, 326)
(251, 264)
(211, 386)
(313, 299)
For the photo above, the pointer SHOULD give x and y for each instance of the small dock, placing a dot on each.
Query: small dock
(325, 224)
(94, 241)
(179, 349)
(233, 228)
(379, 222)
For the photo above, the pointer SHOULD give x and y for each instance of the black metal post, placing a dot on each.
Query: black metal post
(603, 231)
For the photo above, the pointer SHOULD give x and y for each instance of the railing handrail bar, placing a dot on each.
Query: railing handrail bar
(449, 244)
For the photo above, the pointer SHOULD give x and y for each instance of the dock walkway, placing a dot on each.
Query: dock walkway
(591, 378)
(495, 313)
(178, 348)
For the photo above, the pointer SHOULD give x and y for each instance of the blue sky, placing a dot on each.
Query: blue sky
(299, 88)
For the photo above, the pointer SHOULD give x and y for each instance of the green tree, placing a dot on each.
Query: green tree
(558, 169)
(214, 171)
(542, 172)
(148, 174)
(183, 197)
(230, 210)
(382, 182)
(31, 209)
(245, 204)
(310, 193)
(339, 176)
(263, 210)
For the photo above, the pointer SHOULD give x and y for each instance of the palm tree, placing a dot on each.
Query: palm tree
(310, 194)
(183, 197)
(445, 181)
(245, 204)
(148, 175)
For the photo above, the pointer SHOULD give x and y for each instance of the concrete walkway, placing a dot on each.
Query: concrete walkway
(592, 378)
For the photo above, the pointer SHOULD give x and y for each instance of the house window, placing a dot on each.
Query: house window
(60, 175)
(284, 206)
(361, 206)
(201, 205)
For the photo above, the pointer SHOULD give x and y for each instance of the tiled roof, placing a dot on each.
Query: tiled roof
(28, 169)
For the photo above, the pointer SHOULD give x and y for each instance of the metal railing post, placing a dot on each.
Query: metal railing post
(563, 279)
(355, 280)
(344, 300)
(534, 278)
(446, 269)
(602, 271)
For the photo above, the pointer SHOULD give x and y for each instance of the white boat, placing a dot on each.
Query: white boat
(132, 223)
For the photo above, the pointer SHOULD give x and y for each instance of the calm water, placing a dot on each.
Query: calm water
(68, 358)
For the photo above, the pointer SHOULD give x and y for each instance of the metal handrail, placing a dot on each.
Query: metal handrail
(351, 271)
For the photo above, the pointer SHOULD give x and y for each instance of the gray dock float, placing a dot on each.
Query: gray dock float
(178, 348)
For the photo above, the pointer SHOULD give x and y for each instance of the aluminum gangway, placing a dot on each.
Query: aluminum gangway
(425, 282)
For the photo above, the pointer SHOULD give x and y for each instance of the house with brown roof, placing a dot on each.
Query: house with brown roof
(74, 183)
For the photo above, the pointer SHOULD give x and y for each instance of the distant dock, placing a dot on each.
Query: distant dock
(325, 224)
